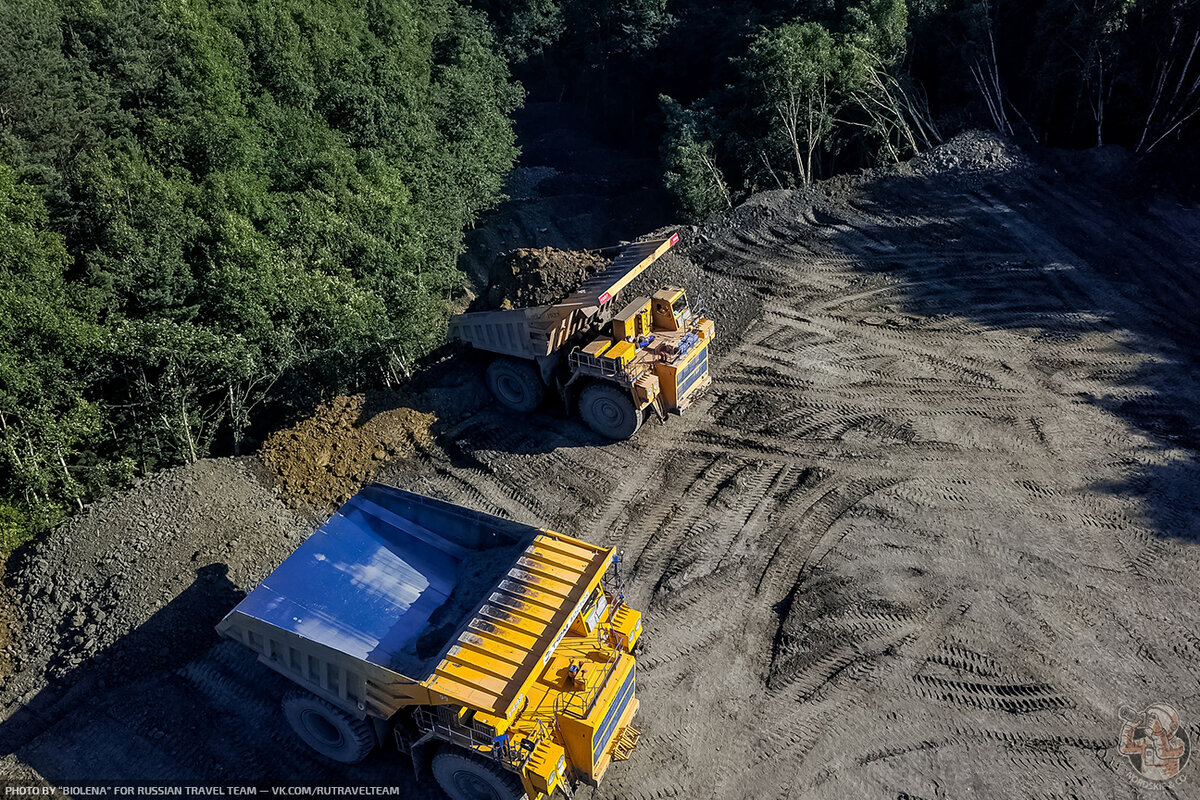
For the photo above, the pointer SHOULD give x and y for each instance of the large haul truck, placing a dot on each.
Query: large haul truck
(500, 653)
(652, 359)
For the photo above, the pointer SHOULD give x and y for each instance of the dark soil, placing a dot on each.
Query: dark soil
(525, 277)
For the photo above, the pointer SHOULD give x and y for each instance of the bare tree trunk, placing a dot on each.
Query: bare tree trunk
(187, 431)
(718, 181)
(986, 72)
(789, 117)
(1181, 104)
(770, 169)
(70, 480)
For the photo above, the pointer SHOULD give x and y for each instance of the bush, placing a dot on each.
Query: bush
(15, 529)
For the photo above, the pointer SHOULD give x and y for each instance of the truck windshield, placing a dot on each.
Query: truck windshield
(680, 306)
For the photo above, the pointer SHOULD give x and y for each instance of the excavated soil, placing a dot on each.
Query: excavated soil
(532, 277)
(931, 533)
(324, 459)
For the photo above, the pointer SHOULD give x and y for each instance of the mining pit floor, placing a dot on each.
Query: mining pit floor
(931, 533)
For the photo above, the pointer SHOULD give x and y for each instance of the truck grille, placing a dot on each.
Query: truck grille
(608, 726)
(692, 373)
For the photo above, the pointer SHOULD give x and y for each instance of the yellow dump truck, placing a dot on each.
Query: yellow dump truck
(652, 359)
(498, 653)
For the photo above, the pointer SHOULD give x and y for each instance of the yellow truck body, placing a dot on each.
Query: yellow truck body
(652, 358)
(437, 625)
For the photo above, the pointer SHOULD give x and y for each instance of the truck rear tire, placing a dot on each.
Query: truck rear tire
(609, 410)
(516, 383)
(465, 777)
(330, 731)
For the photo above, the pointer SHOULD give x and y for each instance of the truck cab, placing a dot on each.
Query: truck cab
(653, 360)
(671, 310)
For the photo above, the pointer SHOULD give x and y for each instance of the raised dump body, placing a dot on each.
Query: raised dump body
(498, 639)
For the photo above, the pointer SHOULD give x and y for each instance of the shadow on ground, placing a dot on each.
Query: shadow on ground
(206, 712)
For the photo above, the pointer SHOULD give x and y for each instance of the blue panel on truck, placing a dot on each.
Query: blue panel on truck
(391, 578)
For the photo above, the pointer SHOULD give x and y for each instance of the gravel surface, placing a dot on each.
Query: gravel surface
(929, 532)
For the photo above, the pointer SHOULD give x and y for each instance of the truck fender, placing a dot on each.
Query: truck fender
(419, 751)
(382, 729)
(548, 366)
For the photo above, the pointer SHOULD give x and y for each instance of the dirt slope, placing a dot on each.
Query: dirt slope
(933, 526)
(321, 461)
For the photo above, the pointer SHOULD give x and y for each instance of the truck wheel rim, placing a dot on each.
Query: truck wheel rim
(472, 787)
(511, 389)
(321, 729)
(609, 412)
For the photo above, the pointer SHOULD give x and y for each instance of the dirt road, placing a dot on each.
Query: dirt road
(932, 528)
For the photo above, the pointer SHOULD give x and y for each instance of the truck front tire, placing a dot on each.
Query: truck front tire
(330, 731)
(516, 383)
(464, 777)
(609, 410)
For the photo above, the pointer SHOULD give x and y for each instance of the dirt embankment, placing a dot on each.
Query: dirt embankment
(209, 528)
(528, 277)
(322, 460)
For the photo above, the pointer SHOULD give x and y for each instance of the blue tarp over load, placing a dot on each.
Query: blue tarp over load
(390, 579)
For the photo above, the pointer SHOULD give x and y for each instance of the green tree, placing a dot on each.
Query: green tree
(689, 158)
(793, 72)
(214, 207)
(525, 28)
(50, 349)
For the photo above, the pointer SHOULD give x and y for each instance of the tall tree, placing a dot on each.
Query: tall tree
(793, 71)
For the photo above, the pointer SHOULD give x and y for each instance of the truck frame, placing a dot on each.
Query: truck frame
(420, 627)
(653, 360)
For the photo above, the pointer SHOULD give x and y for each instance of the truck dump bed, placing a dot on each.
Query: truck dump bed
(538, 331)
(389, 580)
(401, 600)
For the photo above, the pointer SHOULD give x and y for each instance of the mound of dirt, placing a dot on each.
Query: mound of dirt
(204, 531)
(527, 277)
(324, 459)
(971, 152)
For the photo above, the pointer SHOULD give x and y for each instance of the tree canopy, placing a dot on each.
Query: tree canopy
(211, 205)
(896, 77)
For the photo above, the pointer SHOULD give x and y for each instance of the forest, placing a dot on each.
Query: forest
(763, 94)
(213, 211)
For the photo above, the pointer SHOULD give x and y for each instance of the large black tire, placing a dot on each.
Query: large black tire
(516, 383)
(330, 731)
(609, 410)
(465, 777)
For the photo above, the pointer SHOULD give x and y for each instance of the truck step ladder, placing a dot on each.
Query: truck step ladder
(624, 747)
